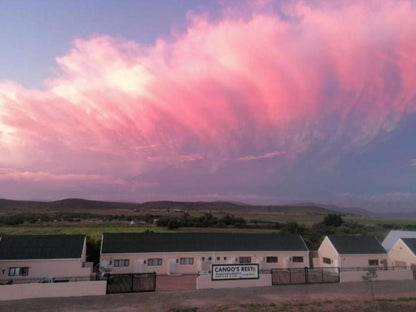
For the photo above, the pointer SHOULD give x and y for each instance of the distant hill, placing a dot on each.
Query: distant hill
(225, 206)
(343, 210)
(216, 206)
(65, 204)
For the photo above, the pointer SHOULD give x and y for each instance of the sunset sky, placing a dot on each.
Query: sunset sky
(254, 101)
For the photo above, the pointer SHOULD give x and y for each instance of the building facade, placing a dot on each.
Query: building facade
(351, 252)
(43, 256)
(394, 235)
(195, 253)
(403, 254)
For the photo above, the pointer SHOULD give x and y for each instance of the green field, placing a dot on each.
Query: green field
(378, 226)
(93, 232)
(308, 220)
(96, 231)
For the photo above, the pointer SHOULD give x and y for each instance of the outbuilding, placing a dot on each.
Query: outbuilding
(36, 257)
(351, 252)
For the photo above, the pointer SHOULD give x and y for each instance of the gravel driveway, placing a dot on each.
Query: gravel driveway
(163, 301)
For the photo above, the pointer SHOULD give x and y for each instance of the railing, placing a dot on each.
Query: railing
(377, 268)
(49, 279)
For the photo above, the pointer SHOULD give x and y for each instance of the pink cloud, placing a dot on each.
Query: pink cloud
(264, 156)
(223, 89)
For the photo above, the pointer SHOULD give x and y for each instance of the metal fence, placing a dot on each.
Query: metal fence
(124, 283)
(304, 276)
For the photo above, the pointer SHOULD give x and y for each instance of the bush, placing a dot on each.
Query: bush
(333, 220)
(173, 224)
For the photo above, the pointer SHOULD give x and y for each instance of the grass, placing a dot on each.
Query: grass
(371, 220)
(93, 232)
(373, 226)
(96, 231)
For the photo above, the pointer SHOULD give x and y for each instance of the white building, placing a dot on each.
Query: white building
(394, 236)
(192, 253)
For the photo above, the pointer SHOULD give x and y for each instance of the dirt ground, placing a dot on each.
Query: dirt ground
(317, 297)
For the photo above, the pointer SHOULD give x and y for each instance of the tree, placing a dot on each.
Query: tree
(370, 276)
(293, 228)
(173, 224)
(333, 220)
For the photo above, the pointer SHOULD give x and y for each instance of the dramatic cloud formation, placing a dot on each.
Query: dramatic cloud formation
(262, 86)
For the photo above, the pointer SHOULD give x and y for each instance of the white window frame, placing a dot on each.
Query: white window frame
(243, 260)
(154, 262)
(19, 271)
(271, 259)
(375, 260)
(121, 263)
(186, 261)
(297, 259)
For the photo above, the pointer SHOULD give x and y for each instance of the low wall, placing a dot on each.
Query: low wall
(176, 282)
(40, 290)
(204, 282)
(357, 276)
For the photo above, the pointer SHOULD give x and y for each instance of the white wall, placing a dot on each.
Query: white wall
(205, 282)
(401, 253)
(357, 276)
(327, 250)
(361, 261)
(46, 268)
(37, 290)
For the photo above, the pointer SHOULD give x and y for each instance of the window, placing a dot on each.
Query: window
(185, 261)
(154, 262)
(326, 260)
(297, 259)
(203, 258)
(373, 262)
(271, 259)
(209, 258)
(244, 260)
(225, 258)
(121, 262)
(18, 271)
(218, 258)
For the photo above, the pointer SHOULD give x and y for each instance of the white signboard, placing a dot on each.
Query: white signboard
(234, 271)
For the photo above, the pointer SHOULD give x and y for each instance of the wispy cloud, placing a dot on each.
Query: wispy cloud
(227, 88)
(264, 156)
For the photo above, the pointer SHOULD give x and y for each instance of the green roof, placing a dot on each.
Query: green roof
(411, 243)
(199, 242)
(20, 247)
(357, 245)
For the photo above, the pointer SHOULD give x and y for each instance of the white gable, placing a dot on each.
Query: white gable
(394, 236)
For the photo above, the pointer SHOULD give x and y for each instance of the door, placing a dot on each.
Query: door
(172, 266)
(139, 266)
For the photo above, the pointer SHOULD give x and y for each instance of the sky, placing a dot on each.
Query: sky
(254, 101)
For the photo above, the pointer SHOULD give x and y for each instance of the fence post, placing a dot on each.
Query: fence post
(290, 276)
(132, 283)
(306, 276)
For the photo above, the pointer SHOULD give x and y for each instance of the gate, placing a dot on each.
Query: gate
(124, 283)
(304, 276)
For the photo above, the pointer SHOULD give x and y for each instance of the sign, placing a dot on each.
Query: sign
(222, 272)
